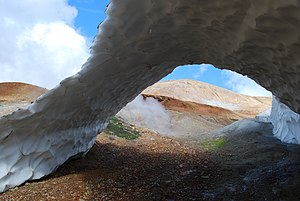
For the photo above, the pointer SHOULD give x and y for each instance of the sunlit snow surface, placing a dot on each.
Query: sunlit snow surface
(140, 42)
(264, 116)
(286, 123)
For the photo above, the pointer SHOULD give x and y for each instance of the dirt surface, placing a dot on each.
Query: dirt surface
(150, 168)
(254, 166)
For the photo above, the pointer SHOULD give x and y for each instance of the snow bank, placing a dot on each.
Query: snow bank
(264, 116)
(229, 106)
(286, 123)
(243, 126)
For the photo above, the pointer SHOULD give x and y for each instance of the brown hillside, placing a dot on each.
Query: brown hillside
(16, 91)
(189, 107)
(203, 93)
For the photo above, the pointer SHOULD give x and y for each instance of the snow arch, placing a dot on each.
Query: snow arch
(140, 42)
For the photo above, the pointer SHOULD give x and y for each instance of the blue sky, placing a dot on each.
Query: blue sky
(205, 73)
(64, 30)
(90, 14)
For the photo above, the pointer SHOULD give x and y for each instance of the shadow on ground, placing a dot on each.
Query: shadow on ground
(249, 167)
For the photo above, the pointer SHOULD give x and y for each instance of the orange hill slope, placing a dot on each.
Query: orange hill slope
(220, 115)
(206, 94)
(16, 92)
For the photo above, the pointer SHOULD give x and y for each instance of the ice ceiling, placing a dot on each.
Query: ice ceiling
(140, 42)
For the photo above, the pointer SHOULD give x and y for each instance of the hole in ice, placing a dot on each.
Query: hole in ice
(194, 100)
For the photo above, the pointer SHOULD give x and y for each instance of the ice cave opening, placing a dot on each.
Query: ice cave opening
(195, 100)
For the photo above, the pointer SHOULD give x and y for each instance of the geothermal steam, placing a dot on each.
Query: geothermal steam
(147, 113)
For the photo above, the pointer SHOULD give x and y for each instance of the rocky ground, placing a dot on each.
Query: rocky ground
(252, 166)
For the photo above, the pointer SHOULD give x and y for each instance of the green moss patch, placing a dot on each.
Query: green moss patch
(122, 129)
(214, 144)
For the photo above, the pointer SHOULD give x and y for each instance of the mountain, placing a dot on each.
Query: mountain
(191, 109)
(16, 95)
(17, 91)
(202, 93)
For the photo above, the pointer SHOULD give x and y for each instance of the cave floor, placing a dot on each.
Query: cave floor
(252, 166)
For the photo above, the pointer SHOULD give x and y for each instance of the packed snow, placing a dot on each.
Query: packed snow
(286, 122)
(264, 116)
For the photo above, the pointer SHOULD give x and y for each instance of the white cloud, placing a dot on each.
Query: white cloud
(244, 85)
(39, 44)
(201, 70)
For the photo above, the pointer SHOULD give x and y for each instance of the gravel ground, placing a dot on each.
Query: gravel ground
(9, 107)
(252, 166)
(150, 168)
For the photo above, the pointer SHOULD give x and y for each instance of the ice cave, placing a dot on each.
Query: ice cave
(140, 42)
